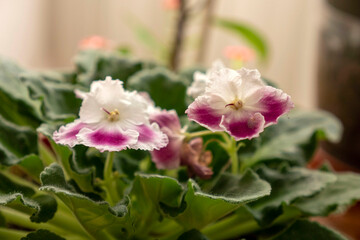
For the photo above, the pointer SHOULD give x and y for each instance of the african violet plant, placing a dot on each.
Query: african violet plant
(160, 155)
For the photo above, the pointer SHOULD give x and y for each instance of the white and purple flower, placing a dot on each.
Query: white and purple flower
(112, 119)
(178, 151)
(239, 103)
(201, 80)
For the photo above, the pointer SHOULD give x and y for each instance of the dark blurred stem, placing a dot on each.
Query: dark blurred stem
(178, 37)
(205, 30)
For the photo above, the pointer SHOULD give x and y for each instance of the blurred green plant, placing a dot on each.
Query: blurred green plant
(49, 191)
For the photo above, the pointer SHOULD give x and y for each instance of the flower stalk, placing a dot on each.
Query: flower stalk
(109, 184)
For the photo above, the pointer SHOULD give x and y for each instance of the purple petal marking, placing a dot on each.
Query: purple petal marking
(244, 127)
(150, 137)
(106, 139)
(274, 103)
(67, 134)
(169, 156)
(167, 119)
(202, 113)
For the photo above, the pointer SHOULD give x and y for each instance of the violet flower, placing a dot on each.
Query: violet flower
(178, 151)
(112, 119)
(239, 103)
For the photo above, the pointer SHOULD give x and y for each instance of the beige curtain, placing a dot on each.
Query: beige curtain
(44, 33)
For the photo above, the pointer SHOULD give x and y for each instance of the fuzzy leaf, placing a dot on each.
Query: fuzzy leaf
(294, 139)
(32, 165)
(59, 100)
(96, 65)
(287, 185)
(81, 167)
(95, 217)
(16, 104)
(42, 208)
(149, 193)
(229, 194)
(340, 194)
(306, 230)
(15, 142)
(164, 87)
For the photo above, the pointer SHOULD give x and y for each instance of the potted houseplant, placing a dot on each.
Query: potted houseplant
(160, 155)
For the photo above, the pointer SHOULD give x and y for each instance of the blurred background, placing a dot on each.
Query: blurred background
(311, 49)
(42, 34)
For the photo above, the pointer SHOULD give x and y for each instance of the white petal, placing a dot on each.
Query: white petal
(91, 111)
(198, 86)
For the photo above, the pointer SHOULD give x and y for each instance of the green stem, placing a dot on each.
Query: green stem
(232, 150)
(109, 183)
(234, 227)
(11, 234)
(22, 219)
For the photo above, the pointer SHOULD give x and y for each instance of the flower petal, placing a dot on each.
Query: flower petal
(91, 111)
(167, 119)
(66, 135)
(198, 86)
(204, 113)
(271, 103)
(107, 139)
(243, 125)
(150, 137)
(168, 157)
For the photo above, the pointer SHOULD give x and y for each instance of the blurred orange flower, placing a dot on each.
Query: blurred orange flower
(171, 4)
(239, 53)
(95, 42)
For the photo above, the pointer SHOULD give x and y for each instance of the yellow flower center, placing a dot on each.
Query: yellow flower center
(113, 115)
(236, 104)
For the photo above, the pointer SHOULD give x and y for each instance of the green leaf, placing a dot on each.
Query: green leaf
(97, 218)
(293, 140)
(80, 166)
(41, 207)
(229, 194)
(32, 165)
(16, 103)
(338, 195)
(245, 32)
(22, 198)
(192, 235)
(8, 186)
(42, 234)
(127, 162)
(59, 100)
(165, 88)
(96, 65)
(15, 142)
(287, 185)
(148, 194)
(306, 230)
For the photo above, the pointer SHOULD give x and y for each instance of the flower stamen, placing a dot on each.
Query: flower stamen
(237, 104)
(113, 115)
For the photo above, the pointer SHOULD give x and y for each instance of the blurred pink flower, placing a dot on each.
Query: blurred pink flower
(171, 4)
(240, 53)
(95, 42)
